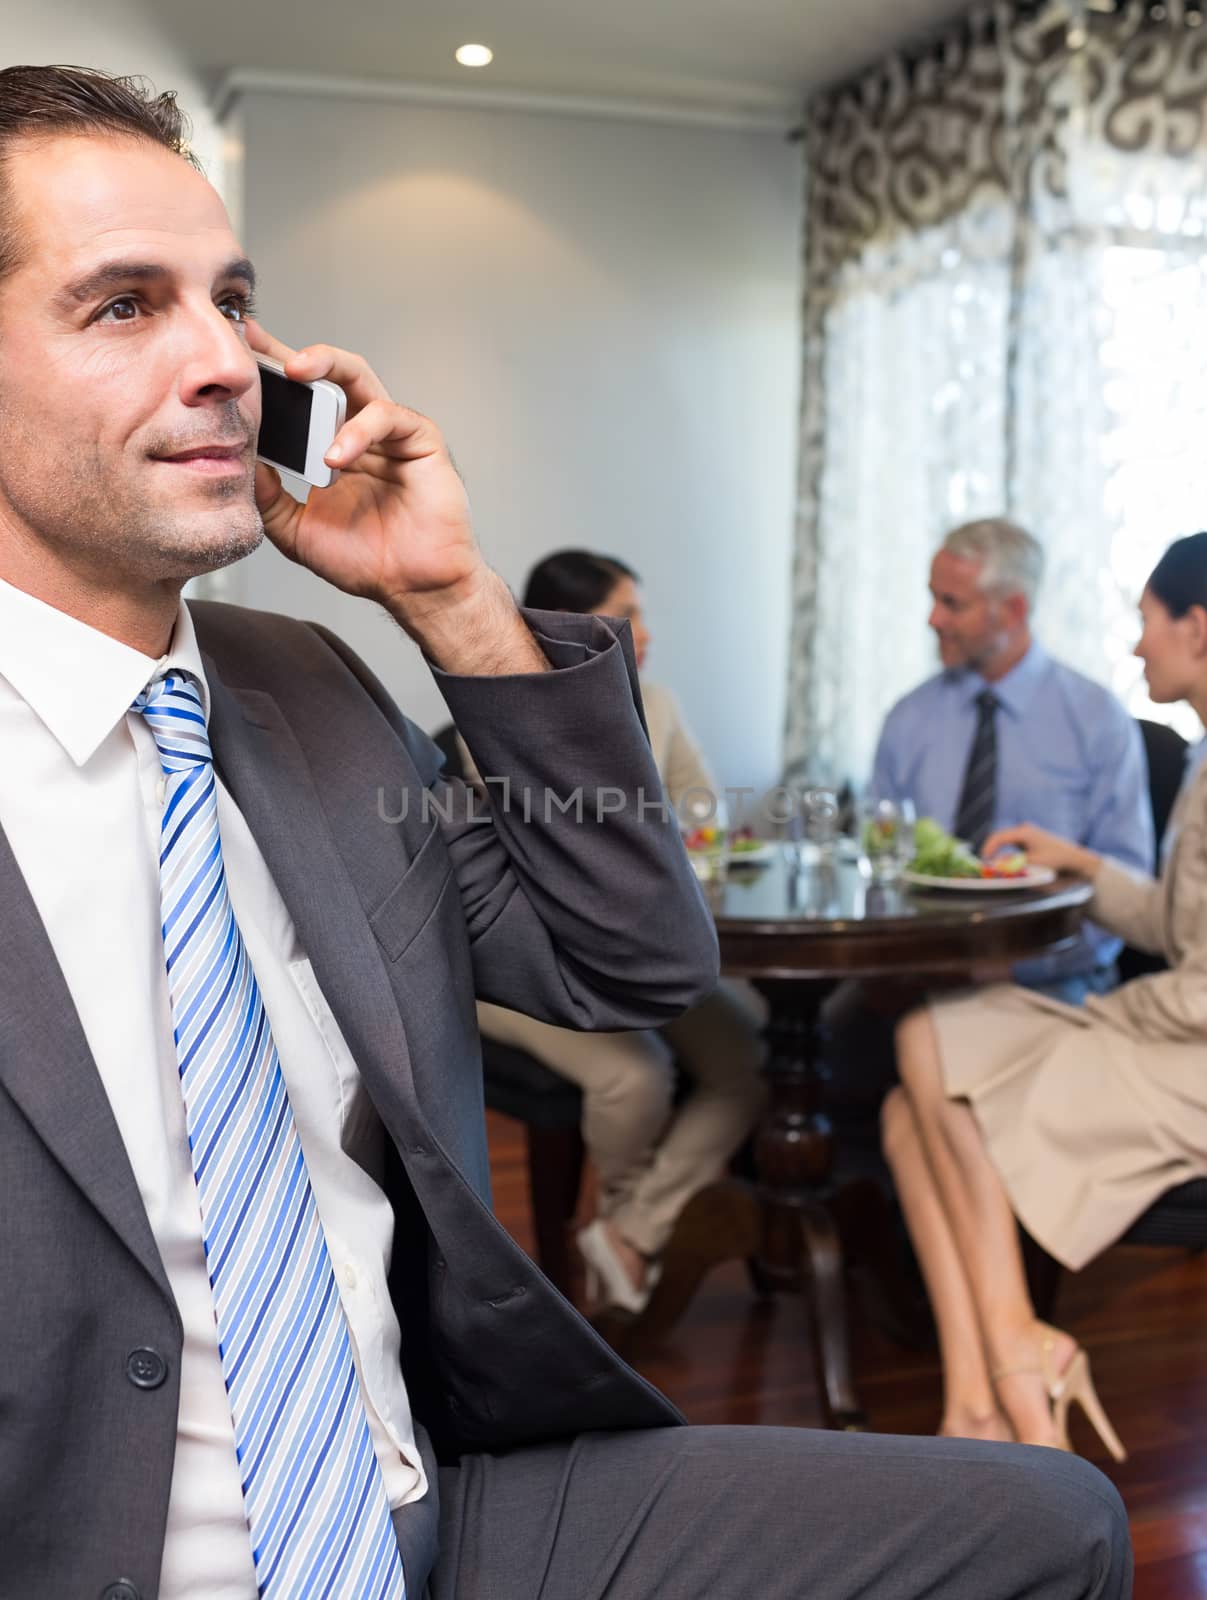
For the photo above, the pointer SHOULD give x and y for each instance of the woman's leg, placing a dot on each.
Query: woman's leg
(627, 1081)
(970, 1409)
(718, 1044)
(983, 1225)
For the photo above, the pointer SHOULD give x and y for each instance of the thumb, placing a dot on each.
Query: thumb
(279, 511)
(1003, 836)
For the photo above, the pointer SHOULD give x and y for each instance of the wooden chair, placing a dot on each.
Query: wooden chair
(1179, 1217)
(517, 1085)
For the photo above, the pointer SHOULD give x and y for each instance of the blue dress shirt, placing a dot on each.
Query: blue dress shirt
(1070, 759)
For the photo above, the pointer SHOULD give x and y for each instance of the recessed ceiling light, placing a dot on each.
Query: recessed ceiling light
(475, 55)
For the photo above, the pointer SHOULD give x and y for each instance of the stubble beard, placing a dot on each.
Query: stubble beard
(82, 517)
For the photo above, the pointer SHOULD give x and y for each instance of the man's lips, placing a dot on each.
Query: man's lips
(219, 460)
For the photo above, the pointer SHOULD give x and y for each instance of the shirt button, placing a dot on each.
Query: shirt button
(121, 1590)
(161, 790)
(347, 1275)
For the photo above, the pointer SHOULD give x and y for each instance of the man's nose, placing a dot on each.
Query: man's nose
(217, 365)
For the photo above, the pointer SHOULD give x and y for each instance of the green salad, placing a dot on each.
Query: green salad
(938, 855)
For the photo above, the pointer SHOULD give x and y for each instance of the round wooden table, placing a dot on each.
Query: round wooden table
(796, 929)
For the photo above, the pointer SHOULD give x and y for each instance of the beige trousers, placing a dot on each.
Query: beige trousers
(652, 1156)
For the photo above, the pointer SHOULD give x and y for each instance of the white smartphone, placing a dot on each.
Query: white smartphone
(298, 421)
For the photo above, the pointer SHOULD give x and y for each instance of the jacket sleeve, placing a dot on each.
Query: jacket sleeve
(1166, 1005)
(1130, 905)
(580, 903)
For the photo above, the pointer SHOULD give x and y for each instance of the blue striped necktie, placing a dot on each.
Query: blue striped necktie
(312, 1488)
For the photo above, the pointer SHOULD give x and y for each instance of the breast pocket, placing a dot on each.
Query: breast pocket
(1055, 793)
(407, 907)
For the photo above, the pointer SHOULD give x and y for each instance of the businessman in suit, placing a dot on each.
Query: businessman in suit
(260, 1332)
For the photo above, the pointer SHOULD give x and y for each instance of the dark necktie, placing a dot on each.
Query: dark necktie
(978, 794)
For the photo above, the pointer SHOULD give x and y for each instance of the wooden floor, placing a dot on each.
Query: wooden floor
(1142, 1314)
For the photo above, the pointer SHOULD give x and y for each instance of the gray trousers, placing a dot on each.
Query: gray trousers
(752, 1513)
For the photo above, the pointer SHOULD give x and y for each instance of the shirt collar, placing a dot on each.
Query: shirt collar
(1016, 690)
(78, 681)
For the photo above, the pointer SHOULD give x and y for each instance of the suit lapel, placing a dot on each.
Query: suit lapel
(261, 763)
(48, 1069)
(45, 1062)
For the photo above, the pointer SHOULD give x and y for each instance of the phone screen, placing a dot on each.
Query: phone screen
(285, 422)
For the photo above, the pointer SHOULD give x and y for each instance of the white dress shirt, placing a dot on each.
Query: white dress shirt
(81, 794)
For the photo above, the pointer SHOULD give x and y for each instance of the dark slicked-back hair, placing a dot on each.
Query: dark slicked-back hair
(1179, 579)
(574, 580)
(44, 102)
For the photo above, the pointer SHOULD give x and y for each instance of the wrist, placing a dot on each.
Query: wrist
(471, 629)
(1086, 863)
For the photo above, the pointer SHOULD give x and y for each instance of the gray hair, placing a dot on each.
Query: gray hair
(1012, 560)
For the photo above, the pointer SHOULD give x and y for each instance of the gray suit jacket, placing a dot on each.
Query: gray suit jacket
(403, 921)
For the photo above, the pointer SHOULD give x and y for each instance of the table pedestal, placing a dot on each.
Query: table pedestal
(794, 1227)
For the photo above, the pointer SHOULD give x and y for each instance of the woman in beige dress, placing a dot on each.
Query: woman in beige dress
(650, 1156)
(1071, 1119)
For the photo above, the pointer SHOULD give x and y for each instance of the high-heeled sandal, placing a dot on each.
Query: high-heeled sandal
(607, 1281)
(1073, 1385)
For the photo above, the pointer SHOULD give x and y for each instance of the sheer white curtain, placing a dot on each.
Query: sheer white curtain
(1026, 338)
(1111, 416)
(915, 382)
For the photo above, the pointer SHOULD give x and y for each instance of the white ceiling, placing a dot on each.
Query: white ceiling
(726, 54)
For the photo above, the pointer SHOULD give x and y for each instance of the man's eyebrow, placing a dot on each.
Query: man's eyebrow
(242, 269)
(113, 274)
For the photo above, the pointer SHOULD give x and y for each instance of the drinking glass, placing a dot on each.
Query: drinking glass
(886, 838)
(819, 819)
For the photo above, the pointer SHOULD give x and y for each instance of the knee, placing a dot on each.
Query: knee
(897, 1131)
(1084, 1532)
(639, 1080)
(913, 1036)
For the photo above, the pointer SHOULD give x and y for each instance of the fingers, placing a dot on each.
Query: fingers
(279, 511)
(353, 373)
(264, 344)
(399, 433)
(1004, 837)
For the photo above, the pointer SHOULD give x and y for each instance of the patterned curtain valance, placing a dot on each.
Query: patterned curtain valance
(1005, 278)
(989, 108)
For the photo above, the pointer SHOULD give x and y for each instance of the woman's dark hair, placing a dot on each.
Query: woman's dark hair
(574, 580)
(1179, 579)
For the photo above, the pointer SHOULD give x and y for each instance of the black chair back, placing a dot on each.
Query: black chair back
(445, 740)
(1165, 752)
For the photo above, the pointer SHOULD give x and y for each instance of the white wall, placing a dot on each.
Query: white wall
(603, 317)
(115, 36)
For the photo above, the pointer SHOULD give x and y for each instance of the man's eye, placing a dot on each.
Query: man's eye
(237, 307)
(123, 310)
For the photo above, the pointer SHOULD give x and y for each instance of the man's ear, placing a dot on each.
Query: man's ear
(1016, 609)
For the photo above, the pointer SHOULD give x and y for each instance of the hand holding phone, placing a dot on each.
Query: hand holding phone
(298, 422)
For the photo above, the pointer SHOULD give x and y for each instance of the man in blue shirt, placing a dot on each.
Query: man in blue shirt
(1006, 734)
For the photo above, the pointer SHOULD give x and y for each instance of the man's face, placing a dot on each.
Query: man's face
(968, 623)
(129, 400)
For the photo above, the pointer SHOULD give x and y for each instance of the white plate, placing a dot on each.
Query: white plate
(758, 856)
(737, 858)
(1033, 878)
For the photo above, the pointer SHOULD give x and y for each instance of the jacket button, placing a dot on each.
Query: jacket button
(146, 1369)
(121, 1590)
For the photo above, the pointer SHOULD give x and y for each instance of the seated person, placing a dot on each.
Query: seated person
(650, 1156)
(207, 930)
(1071, 1119)
(1006, 731)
